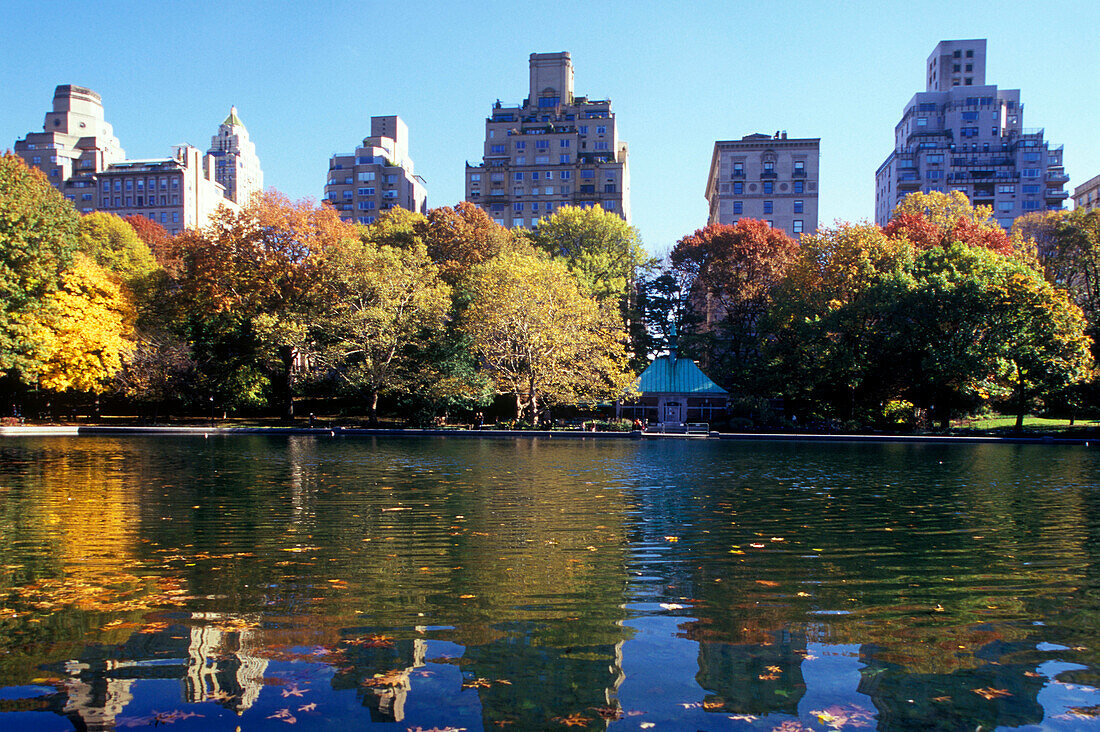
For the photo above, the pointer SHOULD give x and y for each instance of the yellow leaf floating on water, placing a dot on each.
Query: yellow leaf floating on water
(672, 538)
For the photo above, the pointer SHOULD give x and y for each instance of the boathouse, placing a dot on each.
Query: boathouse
(674, 391)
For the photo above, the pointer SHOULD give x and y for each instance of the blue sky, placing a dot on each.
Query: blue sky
(307, 76)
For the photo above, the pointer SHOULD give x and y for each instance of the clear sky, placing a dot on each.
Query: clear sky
(307, 76)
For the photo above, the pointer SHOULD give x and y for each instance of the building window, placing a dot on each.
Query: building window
(473, 176)
(563, 159)
(737, 207)
(583, 129)
(797, 226)
(566, 174)
(517, 206)
(767, 207)
(518, 177)
(36, 160)
(521, 145)
(542, 144)
(769, 187)
(738, 170)
(175, 217)
(496, 149)
(799, 167)
(769, 166)
(738, 188)
(565, 143)
(163, 217)
(798, 206)
(601, 130)
(542, 159)
(798, 185)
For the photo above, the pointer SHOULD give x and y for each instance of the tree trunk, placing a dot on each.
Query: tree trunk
(373, 394)
(286, 357)
(519, 407)
(534, 410)
(1021, 402)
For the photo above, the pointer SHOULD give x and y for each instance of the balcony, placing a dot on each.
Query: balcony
(798, 173)
(766, 174)
(1055, 194)
(738, 173)
(1057, 178)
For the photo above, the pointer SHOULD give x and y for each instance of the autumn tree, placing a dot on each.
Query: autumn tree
(462, 237)
(729, 273)
(542, 339)
(38, 236)
(260, 261)
(83, 341)
(937, 219)
(378, 307)
(155, 236)
(114, 245)
(829, 321)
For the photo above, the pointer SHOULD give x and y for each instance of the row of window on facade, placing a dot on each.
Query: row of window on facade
(797, 226)
(798, 171)
(363, 178)
(151, 200)
(767, 187)
(769, 207)
(581, 129)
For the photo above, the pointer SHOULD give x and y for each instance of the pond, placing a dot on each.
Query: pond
(432, 583)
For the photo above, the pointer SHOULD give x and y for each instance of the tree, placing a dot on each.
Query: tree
(381, 305)
(937, 219)
(155, 236)
(829, 321)
(83, 343)
(113, 244)
(729, 273)
(38, 236)
(601, 249)
(541, 338)
(260, 261)
(461, 237)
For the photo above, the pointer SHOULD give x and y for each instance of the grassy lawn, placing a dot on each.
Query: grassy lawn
(1001, 423)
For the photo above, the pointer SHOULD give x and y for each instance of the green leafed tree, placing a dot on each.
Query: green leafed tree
(38, 237)
(112, 243)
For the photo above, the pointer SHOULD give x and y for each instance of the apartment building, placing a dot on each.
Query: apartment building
(963, 134)
(772, 178)
(377, 176)
(555, 149)
(1087, 195)
(75, 144)
(180, 192)
(236, 165)
(80, 155)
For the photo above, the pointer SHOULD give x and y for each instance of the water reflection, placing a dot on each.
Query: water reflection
(544, 584)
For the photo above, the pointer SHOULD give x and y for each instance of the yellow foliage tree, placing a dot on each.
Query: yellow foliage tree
(540, 337)
(85, 335)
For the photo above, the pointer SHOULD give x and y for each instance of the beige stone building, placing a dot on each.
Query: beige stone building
(236, 165)
(555, 149)
(75, 144)
(80, 155)
(377, 176)
(1087, 195)
(772, 178)
(180, 192)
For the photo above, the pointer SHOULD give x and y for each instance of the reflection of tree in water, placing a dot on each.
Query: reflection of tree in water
(948, 701)
(524, 684)
(753, 678)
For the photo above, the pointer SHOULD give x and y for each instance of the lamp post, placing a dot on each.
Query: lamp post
(211, 410)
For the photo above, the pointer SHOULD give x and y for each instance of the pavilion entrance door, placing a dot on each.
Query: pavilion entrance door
(673, 413)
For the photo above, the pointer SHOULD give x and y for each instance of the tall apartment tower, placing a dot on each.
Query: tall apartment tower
(236, 165)
(962, 134)
(75, 143)
(765, 177)
(553, 150)
(378, 176)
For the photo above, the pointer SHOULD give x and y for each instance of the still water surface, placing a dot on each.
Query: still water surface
(403, 584)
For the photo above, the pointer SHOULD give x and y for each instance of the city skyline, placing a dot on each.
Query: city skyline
(307, 82)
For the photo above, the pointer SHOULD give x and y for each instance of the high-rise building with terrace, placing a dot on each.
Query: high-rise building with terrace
(75, 144)
(553, 150)
(377, 176)
(962, 134)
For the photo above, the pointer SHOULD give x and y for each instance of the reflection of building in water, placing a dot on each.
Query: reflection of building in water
(220, 665)
(380, 675)
(755, 678)
(95, 697)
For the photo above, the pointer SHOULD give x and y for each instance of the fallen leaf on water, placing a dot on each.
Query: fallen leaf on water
(672, 538)
(774, 669)
(716, 704)
(477, 684)
(768, 677)
(573, 720)
(308, 707)
(1084, 712)
(285, 715)
(466, 597)
(1033, 675)
(293, 691)
(991, 693)
(609, 713)
(767, 583)
(671, 606)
